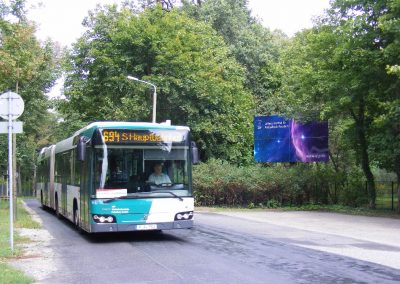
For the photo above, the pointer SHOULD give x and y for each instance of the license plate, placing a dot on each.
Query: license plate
(147, 227)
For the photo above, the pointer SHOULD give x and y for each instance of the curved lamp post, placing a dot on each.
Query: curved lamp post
(154, 94)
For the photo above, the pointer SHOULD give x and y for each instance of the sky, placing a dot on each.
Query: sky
(290, 16)
(62, 20)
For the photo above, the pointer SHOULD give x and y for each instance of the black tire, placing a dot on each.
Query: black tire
(41, 200)
(76, 220)
(57, 210)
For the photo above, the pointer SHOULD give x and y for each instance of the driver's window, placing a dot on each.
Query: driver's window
(156, 169)
(177, 172)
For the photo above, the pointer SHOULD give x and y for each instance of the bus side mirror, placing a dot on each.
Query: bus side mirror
(195, 153)
(81, 150)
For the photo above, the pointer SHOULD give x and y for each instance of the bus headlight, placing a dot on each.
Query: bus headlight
(98, 218)
(184, 216)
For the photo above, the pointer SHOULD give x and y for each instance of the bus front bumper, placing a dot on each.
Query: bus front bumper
(102, 228)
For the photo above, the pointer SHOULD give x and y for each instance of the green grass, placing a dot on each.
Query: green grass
(9, 275)
(384, 195)
(224, 209)
(322, 208)
(385, 202)
(24, 220)
(346, 210)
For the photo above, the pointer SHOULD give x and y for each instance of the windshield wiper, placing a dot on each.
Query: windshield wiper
(136, 196)
(170, 192)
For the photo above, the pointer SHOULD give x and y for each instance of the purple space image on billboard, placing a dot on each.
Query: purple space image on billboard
(278, 139)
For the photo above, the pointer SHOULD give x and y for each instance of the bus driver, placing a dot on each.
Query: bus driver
(158, 177)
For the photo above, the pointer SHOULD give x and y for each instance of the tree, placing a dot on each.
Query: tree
(338, 70)
(389, 23)
(199, 83)
(254, 46)
(387, 125)
(29, 68)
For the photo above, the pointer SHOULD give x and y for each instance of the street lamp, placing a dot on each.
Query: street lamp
(154, 94)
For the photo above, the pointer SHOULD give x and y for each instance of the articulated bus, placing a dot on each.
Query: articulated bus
(120, 176)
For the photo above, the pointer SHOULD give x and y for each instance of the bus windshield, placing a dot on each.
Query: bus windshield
(139, 170)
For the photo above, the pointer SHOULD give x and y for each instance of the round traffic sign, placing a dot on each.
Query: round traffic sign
(11, 103)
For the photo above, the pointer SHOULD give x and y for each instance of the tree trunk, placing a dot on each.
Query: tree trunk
(363, 144)
(19, 182)
(367, 170)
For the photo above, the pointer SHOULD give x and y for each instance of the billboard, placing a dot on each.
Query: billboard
(278, 139)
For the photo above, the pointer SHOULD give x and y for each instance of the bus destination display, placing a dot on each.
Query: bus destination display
(117, 136)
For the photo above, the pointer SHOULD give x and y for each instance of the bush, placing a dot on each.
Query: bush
(273, 203)
(354, 193)
(219, 183)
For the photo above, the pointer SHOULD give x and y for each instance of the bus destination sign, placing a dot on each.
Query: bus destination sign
(121, 136)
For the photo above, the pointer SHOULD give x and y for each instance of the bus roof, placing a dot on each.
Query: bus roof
(45, 152)
(91, 128)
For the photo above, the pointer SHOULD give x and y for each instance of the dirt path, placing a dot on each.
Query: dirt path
(38, 259)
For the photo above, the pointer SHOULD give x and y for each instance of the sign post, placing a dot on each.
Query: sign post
(11, 107)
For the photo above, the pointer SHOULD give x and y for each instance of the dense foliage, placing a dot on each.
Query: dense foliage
(218, 183)
(199, 83)
(254, 47)
(215, 66)
(29, 68)
(338, 71)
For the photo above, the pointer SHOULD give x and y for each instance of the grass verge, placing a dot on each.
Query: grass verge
(346, 210)
(321, 208)
(9, 275)
(24, 220)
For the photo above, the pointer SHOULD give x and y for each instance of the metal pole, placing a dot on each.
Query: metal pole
(392, 195)
(154, 104)
(14, 171)
(154, 95)
(10, 173)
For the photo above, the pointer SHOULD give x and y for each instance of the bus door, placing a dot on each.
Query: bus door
(65, 180)
(84, 168)
(50, 188)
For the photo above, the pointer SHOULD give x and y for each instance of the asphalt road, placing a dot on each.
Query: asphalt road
(220, 249)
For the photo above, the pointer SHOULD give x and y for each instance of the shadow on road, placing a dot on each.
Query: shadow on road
(115, 237)
(148, 236)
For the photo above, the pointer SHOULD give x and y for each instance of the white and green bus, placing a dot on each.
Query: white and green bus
(120, 176)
